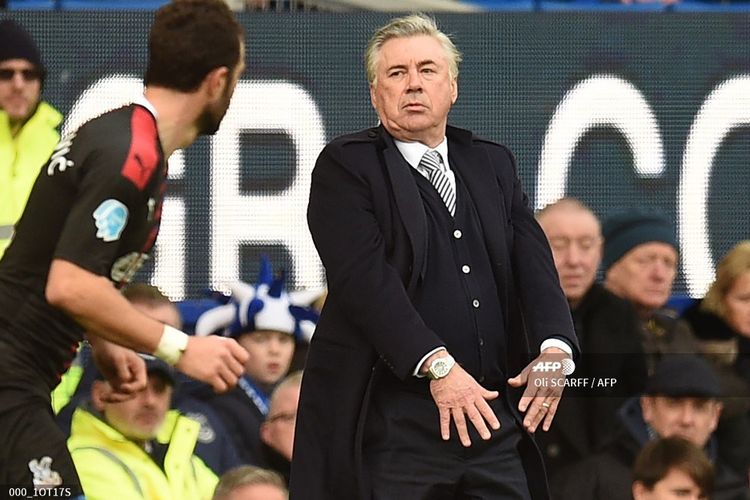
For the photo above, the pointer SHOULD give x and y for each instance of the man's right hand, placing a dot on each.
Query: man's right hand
(122, 367)
(458, 396)
(217, 361)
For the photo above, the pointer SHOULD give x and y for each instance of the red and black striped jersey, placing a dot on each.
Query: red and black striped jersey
(96, 203)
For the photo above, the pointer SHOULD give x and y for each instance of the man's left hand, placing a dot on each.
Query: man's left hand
(541, 397)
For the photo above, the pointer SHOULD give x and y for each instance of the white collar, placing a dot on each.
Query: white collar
(414, 151)
(142, 101)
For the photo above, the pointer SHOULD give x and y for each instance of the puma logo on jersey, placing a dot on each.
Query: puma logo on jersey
(58, 162)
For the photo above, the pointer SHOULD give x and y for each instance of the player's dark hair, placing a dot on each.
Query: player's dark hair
(189, 39)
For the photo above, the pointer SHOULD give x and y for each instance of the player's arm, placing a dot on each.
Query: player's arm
(98, 307)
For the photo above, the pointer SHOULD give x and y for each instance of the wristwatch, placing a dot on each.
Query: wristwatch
(440, 367)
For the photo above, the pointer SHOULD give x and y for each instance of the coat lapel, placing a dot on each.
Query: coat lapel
(409, 205)
(478, 175)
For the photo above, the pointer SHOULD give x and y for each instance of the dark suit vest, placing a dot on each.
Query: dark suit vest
(457, 297)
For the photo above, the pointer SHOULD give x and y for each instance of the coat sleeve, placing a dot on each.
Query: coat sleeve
(367, 289)
(545, 310)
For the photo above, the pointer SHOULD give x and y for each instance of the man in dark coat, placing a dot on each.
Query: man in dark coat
(441, 288)
(608, 330)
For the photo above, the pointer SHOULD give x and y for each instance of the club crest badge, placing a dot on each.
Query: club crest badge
(44, 476)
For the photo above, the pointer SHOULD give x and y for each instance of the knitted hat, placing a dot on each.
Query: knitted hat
(16, 43)
(626, 230)
(684, 375)
(265, 306)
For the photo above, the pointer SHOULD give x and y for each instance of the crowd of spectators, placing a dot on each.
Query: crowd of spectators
(678, 374)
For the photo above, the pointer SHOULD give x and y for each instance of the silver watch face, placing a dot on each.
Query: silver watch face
(441, 367)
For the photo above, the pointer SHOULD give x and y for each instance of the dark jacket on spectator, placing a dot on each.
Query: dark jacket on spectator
(215, 446)
(241, 417)
(275, 461)
(608, 330)
(732, 364)
(664, 333)
(607, 475)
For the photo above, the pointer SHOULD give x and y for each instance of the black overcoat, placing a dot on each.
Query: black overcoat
(368, 224)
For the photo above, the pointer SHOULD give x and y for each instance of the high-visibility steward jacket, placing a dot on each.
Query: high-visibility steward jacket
(21, 158)
(112, 466)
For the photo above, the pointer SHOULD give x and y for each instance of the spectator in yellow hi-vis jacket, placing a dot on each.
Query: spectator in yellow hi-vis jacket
(138, 449)
(28, 125)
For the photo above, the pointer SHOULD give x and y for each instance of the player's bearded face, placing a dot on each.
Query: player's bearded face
(210, 119)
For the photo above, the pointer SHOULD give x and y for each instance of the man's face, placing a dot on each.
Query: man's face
(270, 355)
(278, 429)
(645, 275)
(737, 304)
(414, 91)
(140, 417)
(676, 485)
(210, 120)
(20, 88)
(164, 313)
(258, 492)
(690, 418)
(576, 243)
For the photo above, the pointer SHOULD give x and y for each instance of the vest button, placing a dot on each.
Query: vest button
(457, 234)
(466, 269)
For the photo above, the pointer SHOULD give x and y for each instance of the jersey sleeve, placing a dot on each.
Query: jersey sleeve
(104, 216)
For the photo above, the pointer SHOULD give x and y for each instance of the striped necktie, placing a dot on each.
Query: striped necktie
(432, 165)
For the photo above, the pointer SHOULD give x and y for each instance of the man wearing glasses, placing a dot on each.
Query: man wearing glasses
(277, 431)
(28, 126)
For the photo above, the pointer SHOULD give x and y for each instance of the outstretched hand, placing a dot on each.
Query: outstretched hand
(541, 397)
(458, 396)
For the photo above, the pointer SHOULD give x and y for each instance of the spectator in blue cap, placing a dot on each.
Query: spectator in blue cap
(640, 265)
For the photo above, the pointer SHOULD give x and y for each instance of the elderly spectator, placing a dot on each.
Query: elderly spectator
(277, 431)
(608, 331)
(640, 265)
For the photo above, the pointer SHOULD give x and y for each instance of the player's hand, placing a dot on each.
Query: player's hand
(217, 361)
(122, 367)
(541, 397)
(459, 396)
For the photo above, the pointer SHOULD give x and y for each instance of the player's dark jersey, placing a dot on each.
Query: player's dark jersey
(97, 204)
